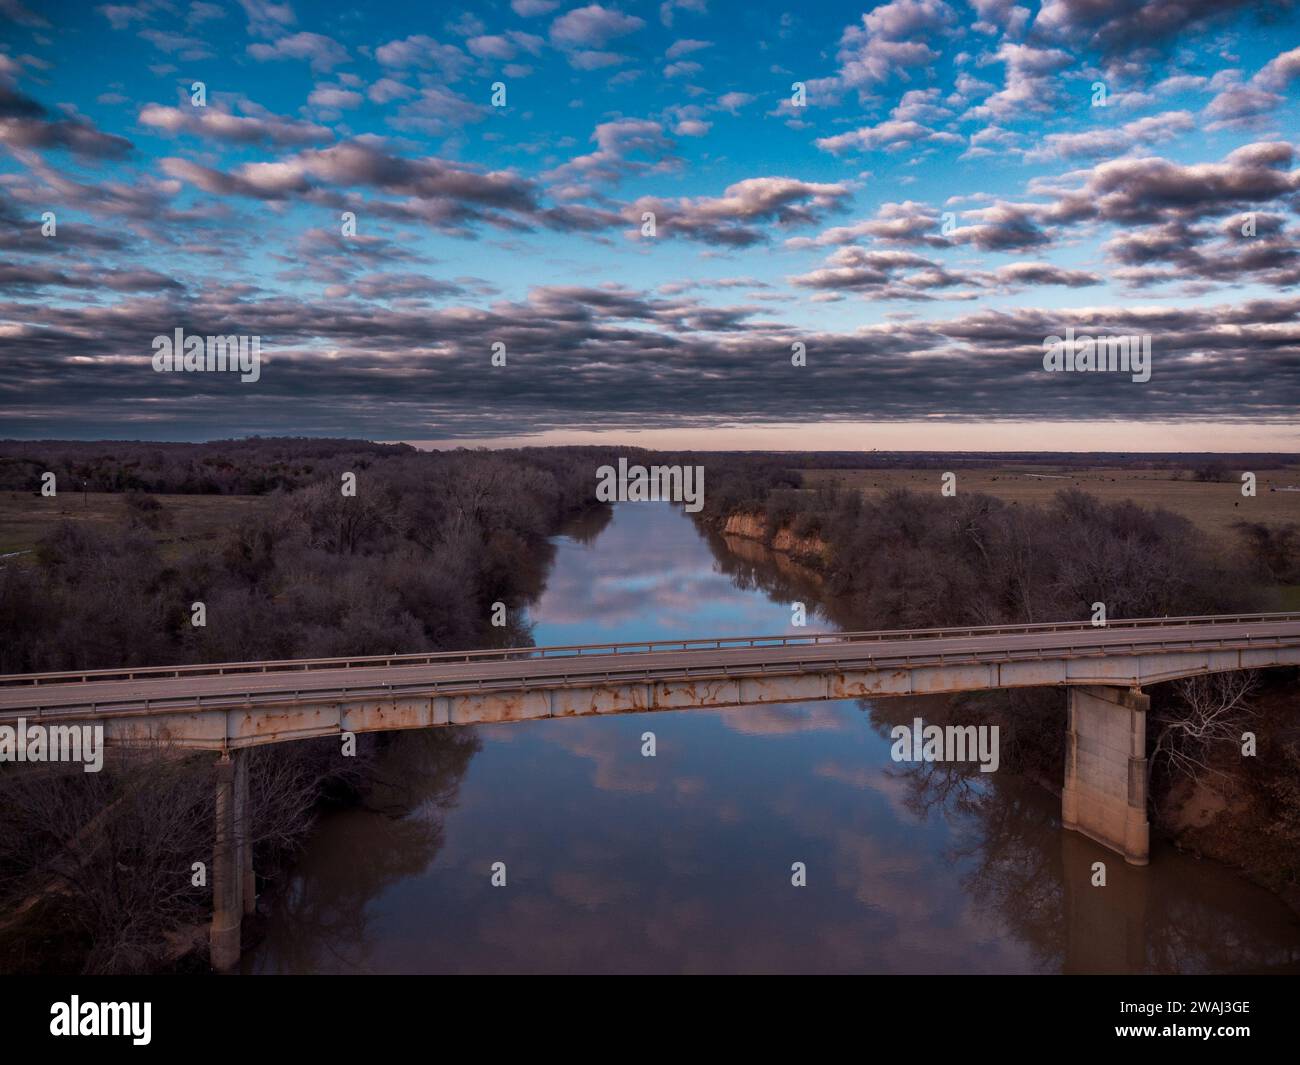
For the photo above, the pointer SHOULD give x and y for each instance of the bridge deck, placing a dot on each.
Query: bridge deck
(246, 684)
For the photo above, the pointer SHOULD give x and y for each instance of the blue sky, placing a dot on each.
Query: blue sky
(822, 224)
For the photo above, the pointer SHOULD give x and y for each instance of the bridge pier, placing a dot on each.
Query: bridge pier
(1105, 793)
(233, 884)
(1105, 928)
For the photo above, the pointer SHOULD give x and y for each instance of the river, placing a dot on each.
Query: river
(682, 862)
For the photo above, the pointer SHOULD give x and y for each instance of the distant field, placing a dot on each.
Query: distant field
(1212, 506)
(26, 518)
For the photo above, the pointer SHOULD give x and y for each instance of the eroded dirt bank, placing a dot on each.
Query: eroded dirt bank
(1242, 813)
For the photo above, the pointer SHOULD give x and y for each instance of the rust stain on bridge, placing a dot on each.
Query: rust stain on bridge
(232, 705)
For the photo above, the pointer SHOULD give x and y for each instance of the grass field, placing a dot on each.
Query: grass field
(1213, 507)
(25, 518)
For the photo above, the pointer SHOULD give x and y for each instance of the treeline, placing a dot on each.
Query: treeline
(413, 561)
(253, 466)
(906, 559)
(1184, 464)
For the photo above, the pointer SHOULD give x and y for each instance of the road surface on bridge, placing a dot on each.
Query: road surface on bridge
(218, 685)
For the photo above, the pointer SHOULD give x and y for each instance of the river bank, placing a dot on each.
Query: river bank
(1242, 814)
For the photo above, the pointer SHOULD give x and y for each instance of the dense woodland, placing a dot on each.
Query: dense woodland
(904, 559)
(413, 561)
(226, 467)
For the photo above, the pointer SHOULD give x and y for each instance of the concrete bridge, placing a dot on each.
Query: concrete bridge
(230, 707)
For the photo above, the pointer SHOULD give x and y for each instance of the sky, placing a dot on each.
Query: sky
(541, 221)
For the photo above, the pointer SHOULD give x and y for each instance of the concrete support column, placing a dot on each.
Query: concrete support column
(244, 833)
(1070, 789)
(228, 858)
(1137, 829)
(1105, 791)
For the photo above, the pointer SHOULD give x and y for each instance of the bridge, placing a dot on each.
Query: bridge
(230, 707)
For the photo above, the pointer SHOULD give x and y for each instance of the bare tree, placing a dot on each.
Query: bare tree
(108, 858)
(1213, 711)
(113, 851)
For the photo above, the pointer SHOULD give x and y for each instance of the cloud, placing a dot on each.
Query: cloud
(215, 124)
(668, 9)
(504, 46)
(880, 275)
(416, 372)
(595, 60)
(1003, 226)
(989, 140)
(421, 51)
(1004, 15)
(683, 69)
(21, 14)
(890, 41)
(734, 218)
(1279, 71)
(618, 143)
(323, 53)
(734, 101)
(920, 105)
(1155, 190)
(1186, 254)
(1112, 140)
(685, 47)
(1037, 273)
(913, 88)
(16, 277)
(446, 195)
(334, 98)
(906, 223)
(267, 19)
(891, 135)
(386, 90)
(402, 286)
(905, 275)
(592, 27)
(1111, 26)
(436, 110)
(200, 11)
(1030, 82)
(186, 48)
(121, 16)
(1241, 105)
(26, 123)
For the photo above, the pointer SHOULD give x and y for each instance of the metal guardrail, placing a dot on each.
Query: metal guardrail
(625, 648)
(630, 673)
